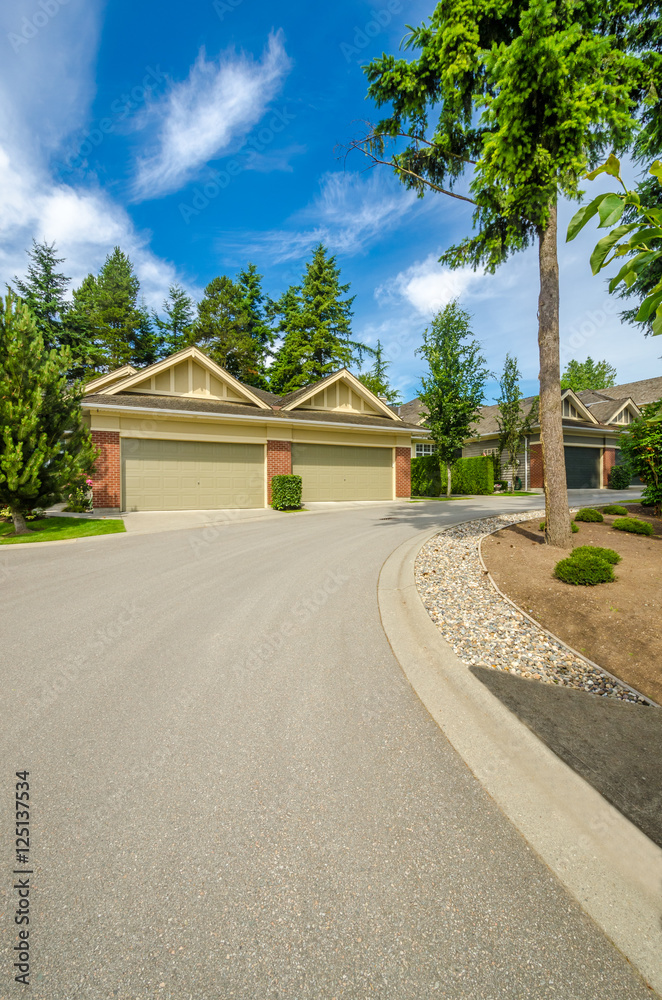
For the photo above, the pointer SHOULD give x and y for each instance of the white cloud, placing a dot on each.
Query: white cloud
(205, 115)
(428, 286)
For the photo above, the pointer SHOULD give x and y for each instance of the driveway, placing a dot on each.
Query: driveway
(237, 794)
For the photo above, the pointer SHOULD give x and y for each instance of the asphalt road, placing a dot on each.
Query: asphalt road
(236, 794)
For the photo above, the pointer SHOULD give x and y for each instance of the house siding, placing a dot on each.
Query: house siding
(403, 472)
(279, 461)
(106, 478)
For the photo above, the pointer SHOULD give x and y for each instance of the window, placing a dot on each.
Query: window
(624, 417)
(569, 410)
(424, 449)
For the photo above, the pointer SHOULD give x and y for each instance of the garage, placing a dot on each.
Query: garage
(341, 472)
(582, 468)
(191, 475)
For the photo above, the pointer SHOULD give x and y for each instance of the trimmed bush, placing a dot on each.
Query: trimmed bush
(584, 570)
(595, 550)
(286, 492)
(615, 508)
(473, 475)
(633, 525)
(620, 477)
(573, 527)
(428, 476)
(588, 514)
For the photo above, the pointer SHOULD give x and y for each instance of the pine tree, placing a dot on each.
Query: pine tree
(255, 323)
(316, 321)
(116, 309)
(177, 327)
(219, 329)
(146, 345)
(376, 378)
(45, 448)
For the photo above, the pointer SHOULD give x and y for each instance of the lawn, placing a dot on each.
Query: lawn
(516, 493)
(54, 529)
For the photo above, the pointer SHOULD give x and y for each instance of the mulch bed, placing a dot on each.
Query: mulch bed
(617, 625)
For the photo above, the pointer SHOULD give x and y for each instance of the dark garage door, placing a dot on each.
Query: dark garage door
(582, 468)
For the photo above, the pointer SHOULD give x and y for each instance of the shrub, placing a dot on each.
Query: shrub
(473, 475)
(428, 476)
(615, 508)
(585, 570)
(286, 492)
(595, 550)
(80, 499)
(620, 477)
(633, 525)
(588, 514)
(30, 515)
(573, 527)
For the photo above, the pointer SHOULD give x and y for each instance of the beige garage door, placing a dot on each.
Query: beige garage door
(191, 475)
(337, 472)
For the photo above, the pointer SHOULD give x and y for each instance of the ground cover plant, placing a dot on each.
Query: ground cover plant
(55, 529)
(597, 550)
(588, 514)
(584, 569)
(614, 508)
(633, 525)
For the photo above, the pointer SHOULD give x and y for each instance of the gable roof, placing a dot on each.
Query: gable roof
(606, 411)
(300, 396)
(105, 381)
(648, 390)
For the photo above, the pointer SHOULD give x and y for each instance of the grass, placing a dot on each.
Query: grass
(516, 493)
(54, 529)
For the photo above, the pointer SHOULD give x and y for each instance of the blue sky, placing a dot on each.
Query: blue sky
(204, 136)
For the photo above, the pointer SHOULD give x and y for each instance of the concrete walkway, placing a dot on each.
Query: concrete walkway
(238, 794)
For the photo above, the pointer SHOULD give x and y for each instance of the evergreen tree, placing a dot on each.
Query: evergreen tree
(255, 323)
(220, 329)
(316, 321)
(146, 345)
(116, 311)
(45, 448)
(513, 424)
(177, 328)
(454, 388)
(376, 378)
(589, 374)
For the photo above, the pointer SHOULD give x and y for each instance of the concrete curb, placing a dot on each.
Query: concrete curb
(603, 860)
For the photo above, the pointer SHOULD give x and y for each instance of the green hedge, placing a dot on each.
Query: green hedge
(428, 476)
(620, 477)
(473, 475)
(286, 492)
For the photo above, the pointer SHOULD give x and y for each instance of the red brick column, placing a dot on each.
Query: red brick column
(536, 473)
(608, 463)
(106, 487)
(279, 461)
(403, 472)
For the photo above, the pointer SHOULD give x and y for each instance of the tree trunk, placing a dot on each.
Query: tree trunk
(448, 480)
(557, 518)
(20, 524)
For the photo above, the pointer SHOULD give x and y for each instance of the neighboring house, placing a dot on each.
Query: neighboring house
(184, 434)
(592, 423)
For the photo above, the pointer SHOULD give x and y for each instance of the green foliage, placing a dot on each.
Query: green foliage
(454, 386)
(176, 328)
(513, 424)
(585, 569)
(641, 446)
(44, 446)
(638, 241)
(286, 492)
(376, 378)
(427, 476)
(589, 514)
(53, 529)
(573, 527)
(256, 325)
(124, 327)
(473, 476)
(80, 498)
(633, 525)
(589, 374)
(649, 191)
(596, 550)
(614, 508)
(619, 477)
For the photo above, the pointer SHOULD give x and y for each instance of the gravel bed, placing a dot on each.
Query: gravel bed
(482, 628)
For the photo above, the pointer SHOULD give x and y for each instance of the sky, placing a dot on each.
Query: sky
(201, 137)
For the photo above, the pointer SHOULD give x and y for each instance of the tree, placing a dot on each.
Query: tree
(44, 446)
(641, 445)
(255, 323)
(454, 388)
(117, 315)
(220, 330)
(639, 241)
(176, 329)
(376, 378)
(647, 279)
(513, 423)
(589, 374)
(528, 94)
(316, 322)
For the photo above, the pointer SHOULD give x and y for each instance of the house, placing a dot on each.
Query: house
(592, 423)
(184, 434)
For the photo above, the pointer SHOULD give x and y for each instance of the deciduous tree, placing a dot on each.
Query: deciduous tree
(589, 374)
(513, 423)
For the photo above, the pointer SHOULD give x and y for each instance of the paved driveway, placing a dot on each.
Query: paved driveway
(237, 794)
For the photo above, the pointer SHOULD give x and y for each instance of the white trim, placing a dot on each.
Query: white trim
(354, 383)
(579, 406)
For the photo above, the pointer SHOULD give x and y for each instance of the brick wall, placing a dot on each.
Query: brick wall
(106, 485)
(608, 463)
(279, 461)
(536, 471)
(403, 472)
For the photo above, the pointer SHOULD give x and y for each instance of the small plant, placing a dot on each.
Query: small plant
(633, 525)
(574, 527)
(595, 550)
(585, 570)
(80, 499)
(620, 477)
(588, 514)
(615, 508)
(29, 515)
(286, 492)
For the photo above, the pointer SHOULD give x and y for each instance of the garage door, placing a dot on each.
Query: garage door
(338, 472)
(191, 475)
(582, 468)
